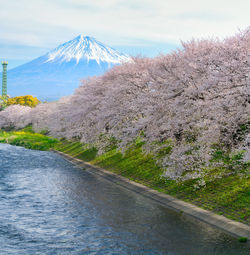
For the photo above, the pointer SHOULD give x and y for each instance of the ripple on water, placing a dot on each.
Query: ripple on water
(48, 206)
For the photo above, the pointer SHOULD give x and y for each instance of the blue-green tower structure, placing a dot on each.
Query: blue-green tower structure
(4, 78)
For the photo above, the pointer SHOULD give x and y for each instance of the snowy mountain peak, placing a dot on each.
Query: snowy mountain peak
(86, 48)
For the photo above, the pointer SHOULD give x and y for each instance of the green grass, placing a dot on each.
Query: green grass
(228, 196)
(28, 139)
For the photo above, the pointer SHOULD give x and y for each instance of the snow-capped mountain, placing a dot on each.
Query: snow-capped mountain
(59, 72)
(86, 48)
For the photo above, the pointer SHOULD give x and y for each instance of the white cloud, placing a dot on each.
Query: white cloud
(118, 22)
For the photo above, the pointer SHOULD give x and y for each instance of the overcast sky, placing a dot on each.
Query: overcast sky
(29, 28)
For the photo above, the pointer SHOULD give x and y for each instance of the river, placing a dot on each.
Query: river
(49, 206)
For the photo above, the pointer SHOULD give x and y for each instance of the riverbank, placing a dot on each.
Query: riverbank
(234, 228)
(228, 196)
(28, 139)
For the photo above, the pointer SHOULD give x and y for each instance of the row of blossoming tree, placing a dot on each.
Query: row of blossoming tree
(194, 101)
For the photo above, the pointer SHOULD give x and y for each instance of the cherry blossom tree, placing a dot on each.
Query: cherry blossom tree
(195, 97)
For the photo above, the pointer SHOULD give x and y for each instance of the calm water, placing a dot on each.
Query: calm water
(48, 206)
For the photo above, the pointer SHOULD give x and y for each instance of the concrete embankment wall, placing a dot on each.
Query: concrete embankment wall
(234, 228)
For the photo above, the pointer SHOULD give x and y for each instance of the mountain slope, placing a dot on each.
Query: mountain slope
(85, 48)
(59, 72)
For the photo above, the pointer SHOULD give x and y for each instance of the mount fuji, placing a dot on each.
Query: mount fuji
(59, 72)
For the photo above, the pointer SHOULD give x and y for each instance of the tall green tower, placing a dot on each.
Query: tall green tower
(4, 79)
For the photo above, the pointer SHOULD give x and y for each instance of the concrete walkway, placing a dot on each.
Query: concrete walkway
(235, 228)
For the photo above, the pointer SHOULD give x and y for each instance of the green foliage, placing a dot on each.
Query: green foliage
(242, 239)
(139, 141)
(28, 129)
(76, 149)
(44, 132)
(190, 136)
(230, 161)
(88, 154)
(28, 139)
(241, 132)
(165, 150)
(110, 142)
(162, 148)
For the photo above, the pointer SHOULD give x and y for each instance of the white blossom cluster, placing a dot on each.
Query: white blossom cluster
(195, 96)
(15, 116)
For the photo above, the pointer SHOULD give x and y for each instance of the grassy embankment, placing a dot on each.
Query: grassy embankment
(228, 196)
(28, 139)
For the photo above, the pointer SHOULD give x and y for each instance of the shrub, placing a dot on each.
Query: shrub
(23, 100)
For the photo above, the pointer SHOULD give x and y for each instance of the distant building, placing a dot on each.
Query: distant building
(4, 78)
